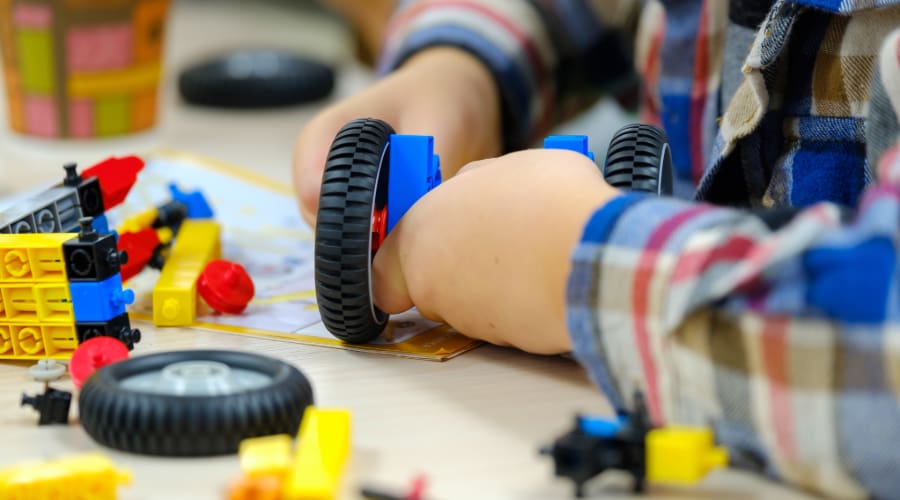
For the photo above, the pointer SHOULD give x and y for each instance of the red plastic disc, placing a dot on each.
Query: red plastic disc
(225, 286)
(379, 227)
(94, 354)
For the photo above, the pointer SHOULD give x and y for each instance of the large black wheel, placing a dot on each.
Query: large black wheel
(354, 190)
(191, 403)
(638, 159)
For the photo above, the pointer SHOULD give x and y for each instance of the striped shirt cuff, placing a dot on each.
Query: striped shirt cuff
(605, 304)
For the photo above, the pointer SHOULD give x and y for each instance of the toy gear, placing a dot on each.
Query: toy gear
(93, 354)
(47, 370)
(225, 286)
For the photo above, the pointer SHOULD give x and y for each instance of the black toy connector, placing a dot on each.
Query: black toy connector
(53, 406)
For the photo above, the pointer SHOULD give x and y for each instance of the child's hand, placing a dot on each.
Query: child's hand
(443, 92)
(489, 250)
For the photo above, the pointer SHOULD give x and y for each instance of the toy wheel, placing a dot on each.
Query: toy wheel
(189, 403)
(639, 159)
(354, 195)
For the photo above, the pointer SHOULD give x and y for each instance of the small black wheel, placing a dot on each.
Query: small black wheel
(354, 191)
(192, 403)
(639, 159)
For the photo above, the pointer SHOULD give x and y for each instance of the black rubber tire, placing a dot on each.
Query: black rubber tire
(354, 184)
(179, 425)
(285, 79)
(639, 159)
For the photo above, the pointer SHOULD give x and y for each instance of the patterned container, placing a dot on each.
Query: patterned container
(81, 68)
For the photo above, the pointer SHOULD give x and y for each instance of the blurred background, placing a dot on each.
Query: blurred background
(342, 34)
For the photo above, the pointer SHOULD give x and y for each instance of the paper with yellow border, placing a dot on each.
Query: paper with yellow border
(262, 230)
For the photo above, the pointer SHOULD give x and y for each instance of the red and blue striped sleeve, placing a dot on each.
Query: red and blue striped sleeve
(542, 54)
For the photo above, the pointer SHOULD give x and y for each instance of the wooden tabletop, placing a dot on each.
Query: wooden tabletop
(472, 425)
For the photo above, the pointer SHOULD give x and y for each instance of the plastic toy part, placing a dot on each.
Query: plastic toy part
(90, 197)
(597, 445)
(416, 492)
(118, 328)
(225, 286)
(682, 455)
(367, 166)
(175, 293)
(51, 292)
(53, 406)
(576, 143)
(639, 159)
(47, 370)
(94, 354)
(272, 469)
(191, 403)
(354, 188)
(55, 210)
(195, 202)
(266, 456)
(139, 246)
(256, 78)
(98, 301)
(322, 451)
(379, 228)
(90, 476)
(675, 455)
(414, 171)
(256, 488)
(92, 256)
(116, 177)
(58, 209)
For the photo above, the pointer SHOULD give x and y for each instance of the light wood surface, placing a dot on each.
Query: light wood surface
(472, 425)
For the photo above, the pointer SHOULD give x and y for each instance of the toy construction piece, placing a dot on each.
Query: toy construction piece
(192, 403)
(373, 176)
(90, 475)
(53, 405)
(47, 370)
(94, 354)
(225, 286)
(673, 455)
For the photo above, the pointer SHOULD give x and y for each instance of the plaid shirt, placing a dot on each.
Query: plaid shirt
(769, 306)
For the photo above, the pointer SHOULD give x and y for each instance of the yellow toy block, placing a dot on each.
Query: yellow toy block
(138, 221)
(37, 303)
(175, 293)
(84, 477)
(322, 452)
(33, 257)
(682, 455)
(266, 456)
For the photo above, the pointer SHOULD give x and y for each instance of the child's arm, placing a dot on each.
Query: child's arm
(481, 76)
(785, 337)
(781, 329)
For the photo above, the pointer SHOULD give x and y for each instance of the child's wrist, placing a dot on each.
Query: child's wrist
(470, 88)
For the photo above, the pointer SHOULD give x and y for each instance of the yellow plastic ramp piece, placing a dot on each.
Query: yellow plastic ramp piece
(175, 293)
(322, 452)
(682, 455)
(90, 477)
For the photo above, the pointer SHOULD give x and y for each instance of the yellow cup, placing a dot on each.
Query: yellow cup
(82, 68)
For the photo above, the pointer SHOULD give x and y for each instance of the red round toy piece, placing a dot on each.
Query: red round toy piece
(225, 286)
(379, 228)
(93, 354)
